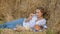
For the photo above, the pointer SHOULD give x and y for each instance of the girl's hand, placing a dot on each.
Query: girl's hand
(30, 17)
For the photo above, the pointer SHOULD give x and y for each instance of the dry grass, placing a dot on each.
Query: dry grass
(14, 9)
(10, 31)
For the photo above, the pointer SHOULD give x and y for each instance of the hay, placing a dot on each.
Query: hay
(14, 9)
(7, 31)
(10, 31)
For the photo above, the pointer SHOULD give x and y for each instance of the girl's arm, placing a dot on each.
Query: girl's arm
(30, 17)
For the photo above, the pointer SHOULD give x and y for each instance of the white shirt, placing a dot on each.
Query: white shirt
(32, 22)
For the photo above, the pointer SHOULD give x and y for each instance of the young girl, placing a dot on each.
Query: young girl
(36, 21)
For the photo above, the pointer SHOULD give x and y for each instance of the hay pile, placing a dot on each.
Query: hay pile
(10, 31)
(7, 31)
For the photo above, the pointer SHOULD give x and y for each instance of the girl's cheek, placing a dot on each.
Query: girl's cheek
(40, 13)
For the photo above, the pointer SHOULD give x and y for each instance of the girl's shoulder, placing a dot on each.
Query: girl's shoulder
(43, 20)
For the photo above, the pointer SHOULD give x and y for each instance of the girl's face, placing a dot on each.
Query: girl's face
(38, 13)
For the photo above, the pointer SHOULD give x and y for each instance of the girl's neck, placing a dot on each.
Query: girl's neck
(40, 18)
